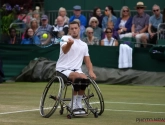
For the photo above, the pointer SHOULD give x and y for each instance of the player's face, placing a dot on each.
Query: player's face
(74, 30)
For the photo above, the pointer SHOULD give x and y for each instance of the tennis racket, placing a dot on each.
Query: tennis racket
(46, 38)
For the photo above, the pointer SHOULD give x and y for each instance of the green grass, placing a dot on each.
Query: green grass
(123, 105)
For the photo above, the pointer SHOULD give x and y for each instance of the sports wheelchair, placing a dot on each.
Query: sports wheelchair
(56, 92)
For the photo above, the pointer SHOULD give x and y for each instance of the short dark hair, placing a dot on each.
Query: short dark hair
(108, 29)
(74, 22)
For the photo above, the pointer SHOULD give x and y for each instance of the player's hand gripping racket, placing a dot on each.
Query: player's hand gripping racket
(46, 38)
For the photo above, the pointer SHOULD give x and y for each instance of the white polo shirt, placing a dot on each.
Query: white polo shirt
(74, 58)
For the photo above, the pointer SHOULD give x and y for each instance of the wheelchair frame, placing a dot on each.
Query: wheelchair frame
(54, 99)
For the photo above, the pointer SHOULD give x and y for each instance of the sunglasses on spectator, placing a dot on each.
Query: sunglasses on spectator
(44, 20)
(108, 32)
(90, 32)
(125, 10)
(140, 7)
(94, 22)
(106, 10)
(156, 10)
(30, 31)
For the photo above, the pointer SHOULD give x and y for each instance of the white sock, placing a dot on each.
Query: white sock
(74, 98)
(79, 99)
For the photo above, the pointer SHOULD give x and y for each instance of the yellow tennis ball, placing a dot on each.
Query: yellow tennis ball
(45, 35)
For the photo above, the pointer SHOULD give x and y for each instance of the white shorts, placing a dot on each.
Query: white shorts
(67, 72)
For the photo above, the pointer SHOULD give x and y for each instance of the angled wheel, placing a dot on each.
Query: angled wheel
(93, 98)
(51, 96)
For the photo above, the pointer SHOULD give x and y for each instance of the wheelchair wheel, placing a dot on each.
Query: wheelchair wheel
(93, 98)
(51, 96)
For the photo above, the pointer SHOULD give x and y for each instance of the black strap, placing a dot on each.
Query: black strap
(70, 69)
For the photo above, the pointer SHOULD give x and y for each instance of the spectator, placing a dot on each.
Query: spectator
(109, 40)
(36, 15)
(124, 22)
(61, 28)
(34, 24)
(90, 39)
(93, 22)
(82, 28)
(62, 12)
(97, 13)
(23, 16)
(154, 21)
(12, 38)
(111, 26)
(44, 24)
(109, 16)
(78, 15)
(30, 38)
(139, 24)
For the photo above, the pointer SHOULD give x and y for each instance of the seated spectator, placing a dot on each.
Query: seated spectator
(60, 28)
(109, 16)
(78, 15)
(30, 38)
(44, 24)
(109, 40)
(34, 25)
(90, 39)
(82, 28)
(93, 22)
(23, 16)
(12, 38)
(36, 15)
(97, 13)
(154, 21)
(115, 33)
(62, 12)
(124, 22)
(139, 24)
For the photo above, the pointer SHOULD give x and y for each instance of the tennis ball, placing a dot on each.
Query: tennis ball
(45, 35)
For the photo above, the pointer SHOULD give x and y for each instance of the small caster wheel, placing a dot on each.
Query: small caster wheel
(69, 116)
(96, 115)
(61, 112)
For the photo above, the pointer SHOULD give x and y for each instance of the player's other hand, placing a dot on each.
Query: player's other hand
(92, 75)
(70, 41)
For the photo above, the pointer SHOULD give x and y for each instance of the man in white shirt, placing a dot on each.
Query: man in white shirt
(72, 54)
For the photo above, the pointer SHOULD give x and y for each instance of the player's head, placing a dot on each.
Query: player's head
(74, 29)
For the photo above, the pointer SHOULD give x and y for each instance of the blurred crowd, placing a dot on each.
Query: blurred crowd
(105, 29)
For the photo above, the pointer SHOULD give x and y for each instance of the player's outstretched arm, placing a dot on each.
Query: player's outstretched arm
(66, 47)
(89, 67)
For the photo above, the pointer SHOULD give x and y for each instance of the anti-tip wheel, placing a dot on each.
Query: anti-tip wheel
(69, 116)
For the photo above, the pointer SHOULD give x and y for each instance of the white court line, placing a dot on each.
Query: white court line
(133, 111)
(134, 103)
(22, 111)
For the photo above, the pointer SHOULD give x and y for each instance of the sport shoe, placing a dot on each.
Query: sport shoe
(82, 111)
(76, 112)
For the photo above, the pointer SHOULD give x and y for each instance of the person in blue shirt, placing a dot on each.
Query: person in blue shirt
(124, 22)
(30, 38)
(78, 15)
(109, 16)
